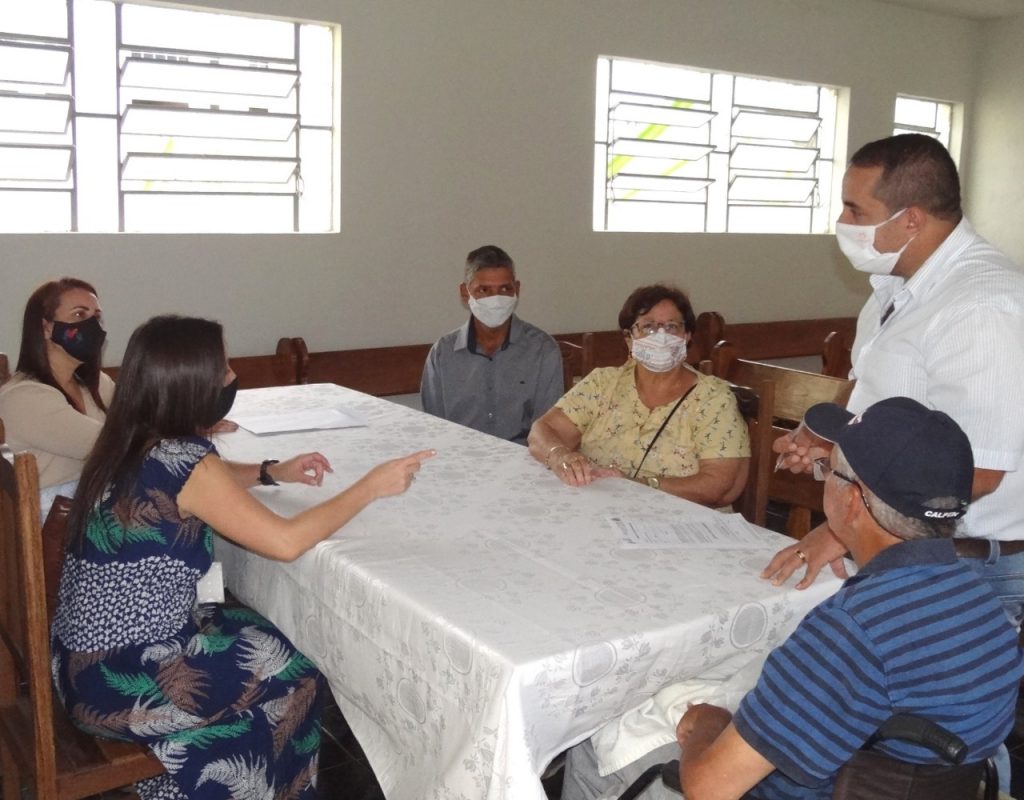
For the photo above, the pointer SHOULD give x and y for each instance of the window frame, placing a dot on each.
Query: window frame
(110, 125)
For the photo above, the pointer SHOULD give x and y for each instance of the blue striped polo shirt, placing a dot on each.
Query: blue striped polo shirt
(914, 631)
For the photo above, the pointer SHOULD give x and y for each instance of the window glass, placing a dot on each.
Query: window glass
(166, 106)
(684, 149)
(931, 117)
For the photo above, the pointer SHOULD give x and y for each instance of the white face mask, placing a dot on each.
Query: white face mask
(493, 311)
(858, 244)
(659, 352)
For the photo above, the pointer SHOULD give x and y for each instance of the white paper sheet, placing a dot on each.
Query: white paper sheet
(308, 419)
(721, 532)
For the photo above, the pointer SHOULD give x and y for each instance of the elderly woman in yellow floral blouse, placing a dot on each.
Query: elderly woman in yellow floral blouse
(654, 420)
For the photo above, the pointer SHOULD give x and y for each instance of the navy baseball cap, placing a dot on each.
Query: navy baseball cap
(904, 452)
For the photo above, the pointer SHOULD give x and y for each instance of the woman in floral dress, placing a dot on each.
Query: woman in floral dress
(224, 700)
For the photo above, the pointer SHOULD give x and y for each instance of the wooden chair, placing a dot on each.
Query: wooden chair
(709, 331)
(279, 369)
(39, 745)
(5, 368)
(755, 404)
(380, 371)
(794, 392)
(572, 361)
(835, 356)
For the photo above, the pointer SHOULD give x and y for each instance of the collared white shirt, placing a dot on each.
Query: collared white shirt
(955, 342)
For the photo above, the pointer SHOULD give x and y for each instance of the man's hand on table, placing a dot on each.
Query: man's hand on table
(815, 550)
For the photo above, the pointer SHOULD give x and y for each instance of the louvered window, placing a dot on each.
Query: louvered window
(931, 117)
(683, 149)
(168, 119)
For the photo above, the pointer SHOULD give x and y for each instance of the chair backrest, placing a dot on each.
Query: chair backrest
(380, 371)
(279, 369)
(25, 647)
(709, 331)
(795, 389)
(794, 392)
(756, 403)
(835, 356)
(54, 535)
(5, 368)
(572, 363)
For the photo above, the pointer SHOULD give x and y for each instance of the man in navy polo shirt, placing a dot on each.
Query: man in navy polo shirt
(914, 631)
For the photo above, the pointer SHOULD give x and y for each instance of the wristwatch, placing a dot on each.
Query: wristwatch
(265, 478)
(653, 482)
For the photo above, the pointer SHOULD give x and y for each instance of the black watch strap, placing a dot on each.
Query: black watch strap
(265, 478)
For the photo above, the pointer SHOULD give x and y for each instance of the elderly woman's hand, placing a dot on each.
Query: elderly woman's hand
(574, 469)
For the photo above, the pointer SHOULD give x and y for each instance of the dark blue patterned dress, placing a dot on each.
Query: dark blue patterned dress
(221, 696)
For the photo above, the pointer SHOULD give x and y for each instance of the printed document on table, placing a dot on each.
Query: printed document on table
(308, 419)
(718, 532)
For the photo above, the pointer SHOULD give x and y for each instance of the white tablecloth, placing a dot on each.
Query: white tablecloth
(476, 626)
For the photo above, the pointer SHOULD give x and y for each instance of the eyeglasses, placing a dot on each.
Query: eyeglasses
(671, 328)
(822, 469)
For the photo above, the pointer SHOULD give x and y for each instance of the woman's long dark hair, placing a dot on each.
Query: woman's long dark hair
(169, 385)
(32, 358)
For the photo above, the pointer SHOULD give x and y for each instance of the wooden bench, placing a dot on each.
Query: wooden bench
(387, 371)
(255, 372)
(380, 371)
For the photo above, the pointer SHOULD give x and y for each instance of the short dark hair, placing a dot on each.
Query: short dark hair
(916, 171)
(169, 385)
(488, 257)
(32, 358)
(645, 298)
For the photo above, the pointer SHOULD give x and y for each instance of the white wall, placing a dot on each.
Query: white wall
(995, 191)
(467, 122)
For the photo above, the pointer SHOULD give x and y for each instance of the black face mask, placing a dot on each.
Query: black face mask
(225, 401)
(80, 340)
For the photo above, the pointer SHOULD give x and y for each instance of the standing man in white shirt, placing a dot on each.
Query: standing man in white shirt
(945, 326)
(495, 372)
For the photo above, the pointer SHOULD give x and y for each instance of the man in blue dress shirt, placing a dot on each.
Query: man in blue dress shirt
(494, 373)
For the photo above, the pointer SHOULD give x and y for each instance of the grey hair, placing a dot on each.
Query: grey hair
(893, 521)
(488, 257)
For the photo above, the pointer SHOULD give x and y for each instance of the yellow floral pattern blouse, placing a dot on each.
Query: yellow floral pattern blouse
(617, 427)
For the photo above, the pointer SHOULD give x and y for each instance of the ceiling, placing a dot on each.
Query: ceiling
(971, 9)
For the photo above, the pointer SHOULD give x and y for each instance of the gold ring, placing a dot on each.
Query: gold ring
(801, 555)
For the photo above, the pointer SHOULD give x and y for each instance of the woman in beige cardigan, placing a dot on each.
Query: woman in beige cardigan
(55, 403)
